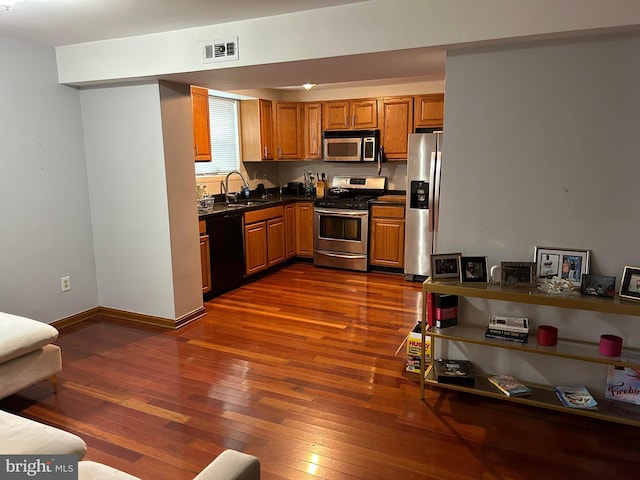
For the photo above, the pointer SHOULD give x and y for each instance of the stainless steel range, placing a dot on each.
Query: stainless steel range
(341, 226)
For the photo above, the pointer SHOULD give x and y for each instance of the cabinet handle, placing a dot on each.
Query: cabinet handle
(265, 151)
(346, 121)
(353, 123)
(196, 150)
(279, 151)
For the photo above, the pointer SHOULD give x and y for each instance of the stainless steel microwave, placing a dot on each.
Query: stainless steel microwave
(351, 145)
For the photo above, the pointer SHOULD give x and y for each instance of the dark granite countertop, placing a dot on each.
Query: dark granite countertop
(253, 203)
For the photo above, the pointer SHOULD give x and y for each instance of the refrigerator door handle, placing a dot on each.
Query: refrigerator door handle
(432, 188)
(436, 191)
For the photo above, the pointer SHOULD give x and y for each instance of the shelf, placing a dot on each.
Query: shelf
(614, 305)
(545, 397)
(588, 352)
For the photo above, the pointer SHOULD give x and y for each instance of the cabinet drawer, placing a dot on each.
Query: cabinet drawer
(387, 211)
(263, 214)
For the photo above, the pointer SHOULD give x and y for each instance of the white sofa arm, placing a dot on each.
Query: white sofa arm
(231, 465)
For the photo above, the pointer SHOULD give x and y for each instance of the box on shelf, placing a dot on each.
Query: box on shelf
(623, 384)
(454, 371)
(414, 346)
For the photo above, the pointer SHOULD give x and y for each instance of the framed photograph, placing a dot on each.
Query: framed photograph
(473, 269)
(561, 263)
(518, 274)
(445, 266)
(599, 285)
(630, 286)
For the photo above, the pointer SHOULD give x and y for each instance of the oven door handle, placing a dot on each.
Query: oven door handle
(354, 256)
(342, 213)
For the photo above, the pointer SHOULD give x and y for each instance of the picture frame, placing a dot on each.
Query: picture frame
(561, 263)
(630, 284)
(473, 270)
(518, 274)
(598, 285)
(445, 266)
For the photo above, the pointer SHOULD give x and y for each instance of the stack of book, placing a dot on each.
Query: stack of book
(442, 310)
(513, 329)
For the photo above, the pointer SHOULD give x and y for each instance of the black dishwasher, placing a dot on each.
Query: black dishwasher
(226, 248)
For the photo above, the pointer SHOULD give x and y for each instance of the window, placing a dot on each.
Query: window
(225, 148)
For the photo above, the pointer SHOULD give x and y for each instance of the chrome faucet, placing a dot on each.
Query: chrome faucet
(225, 186)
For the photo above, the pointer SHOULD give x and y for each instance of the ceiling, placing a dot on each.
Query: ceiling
(65, 22)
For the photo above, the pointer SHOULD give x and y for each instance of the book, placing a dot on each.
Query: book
(623, 384)
(446, 323)
(576, 396)
(453, 371)
(509, 385)
(515, 324)
(506, 335)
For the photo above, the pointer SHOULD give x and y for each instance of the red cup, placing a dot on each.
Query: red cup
(547, 335)
(610, 345)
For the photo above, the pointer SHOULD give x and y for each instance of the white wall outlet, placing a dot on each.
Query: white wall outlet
(65, 283)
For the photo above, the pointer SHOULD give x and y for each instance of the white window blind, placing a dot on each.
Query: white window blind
(225, 148)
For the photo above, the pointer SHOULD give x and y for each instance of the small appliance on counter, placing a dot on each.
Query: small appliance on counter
(295, 188)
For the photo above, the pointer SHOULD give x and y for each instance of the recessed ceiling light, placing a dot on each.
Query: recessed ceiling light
(308, 86)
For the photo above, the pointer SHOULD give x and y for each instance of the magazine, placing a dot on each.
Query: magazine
(509, 385)
(576, 397)
(623, 384)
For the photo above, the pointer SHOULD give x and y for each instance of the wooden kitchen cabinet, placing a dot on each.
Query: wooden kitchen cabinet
(386, 247)
(205, 257)
(201, 127)
(290, 230)
(429, 111)
(289, 131)
(264, 238)
(313, 131)
(256, 130)
(304, 229)
(350, 114)
(396, 123)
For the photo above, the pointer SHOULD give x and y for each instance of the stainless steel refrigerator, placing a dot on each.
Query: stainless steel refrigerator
(423, 200)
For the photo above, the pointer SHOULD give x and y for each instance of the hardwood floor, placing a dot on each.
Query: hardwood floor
(299, 369)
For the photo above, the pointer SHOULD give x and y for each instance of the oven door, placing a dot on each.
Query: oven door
(341, 238)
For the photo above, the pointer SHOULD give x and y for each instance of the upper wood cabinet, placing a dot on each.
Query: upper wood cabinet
(256, 130)
(200, 115)
(289, 130)
(396, 123)
(313, 131)
(429, 110)
(350, 114)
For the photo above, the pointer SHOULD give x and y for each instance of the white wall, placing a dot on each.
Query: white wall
(540, 149)
(359, 28)
(129, 205)
(45, 224)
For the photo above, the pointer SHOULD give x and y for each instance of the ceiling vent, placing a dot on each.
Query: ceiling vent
(220, 50)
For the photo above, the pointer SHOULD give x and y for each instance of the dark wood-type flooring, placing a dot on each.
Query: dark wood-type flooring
(299, 369)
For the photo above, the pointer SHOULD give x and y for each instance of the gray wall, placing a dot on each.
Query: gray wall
(45, 224)
(540, 148)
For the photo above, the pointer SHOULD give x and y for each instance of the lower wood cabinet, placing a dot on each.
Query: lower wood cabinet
(304, 229)
(386, 247)
(264, 238)
(290, 230)
(205, 264)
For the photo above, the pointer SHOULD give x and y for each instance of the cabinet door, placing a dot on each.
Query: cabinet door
(304, 229)
(290, 229)
(313, 131)
(289, 130)
(255, 247)
(335, 115)
(205, 263)
(200, 114)
(364, 113)
(429, 110)
(387, 242)
(266, 129)
(396, 123)
(275, 241)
